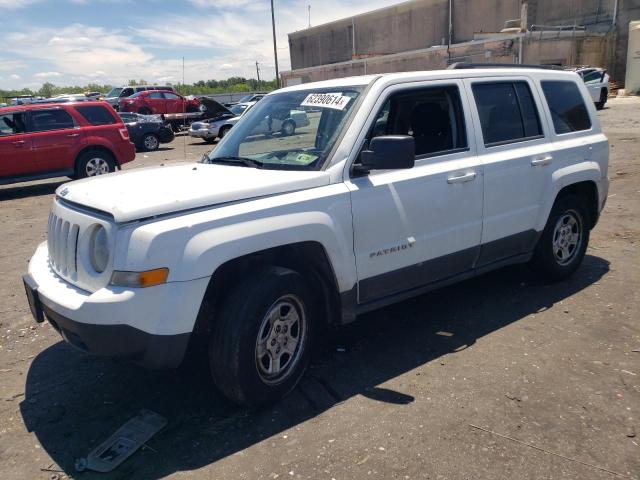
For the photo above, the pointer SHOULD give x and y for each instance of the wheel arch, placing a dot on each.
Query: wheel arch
(96, 148)
(582, 186)
(309, 258)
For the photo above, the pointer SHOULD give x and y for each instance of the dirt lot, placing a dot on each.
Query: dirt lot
(550, 373)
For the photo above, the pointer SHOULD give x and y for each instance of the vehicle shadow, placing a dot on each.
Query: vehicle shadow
(73, 402)
(24, 191)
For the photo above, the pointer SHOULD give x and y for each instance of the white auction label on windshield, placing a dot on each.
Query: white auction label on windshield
(336, 101)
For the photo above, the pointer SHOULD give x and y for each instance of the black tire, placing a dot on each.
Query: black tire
(150, 142)
(100, 159)
(223, 131)
(547, 255)
(603, 99)
(209, 140)
(145, 111)
(288, 128)
(166, 135)
(234, 354)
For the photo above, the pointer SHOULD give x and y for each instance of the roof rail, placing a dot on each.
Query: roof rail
(466, 65)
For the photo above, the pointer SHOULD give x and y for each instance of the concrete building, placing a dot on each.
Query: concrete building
(428, 34)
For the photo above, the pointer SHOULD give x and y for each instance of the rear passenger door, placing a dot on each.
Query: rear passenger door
(420, 225)
(55, 137)
(515, 150)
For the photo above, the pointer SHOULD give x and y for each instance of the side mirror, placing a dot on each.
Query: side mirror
(389, 152)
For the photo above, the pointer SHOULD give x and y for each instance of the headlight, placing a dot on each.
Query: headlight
(99, 249)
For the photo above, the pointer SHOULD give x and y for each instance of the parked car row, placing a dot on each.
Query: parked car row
(218, 125)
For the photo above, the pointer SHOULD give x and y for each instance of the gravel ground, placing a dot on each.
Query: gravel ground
(498, 377)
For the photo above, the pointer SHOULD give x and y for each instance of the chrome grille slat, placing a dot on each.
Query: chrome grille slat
(62, 243)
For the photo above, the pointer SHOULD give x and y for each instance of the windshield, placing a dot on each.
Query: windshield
(288, 131)
(238, 109)
(246, 98)
(114, 92)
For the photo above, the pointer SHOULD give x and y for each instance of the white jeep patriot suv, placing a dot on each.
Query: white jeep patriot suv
(400, 183)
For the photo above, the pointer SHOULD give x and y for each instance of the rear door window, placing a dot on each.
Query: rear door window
(567, 107)
(96, 115)
(507, 112)
(12, 123)
(156, 95)
(53, 119)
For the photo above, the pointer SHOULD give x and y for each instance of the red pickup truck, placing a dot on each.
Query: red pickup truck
(158, 102)
(77, 140)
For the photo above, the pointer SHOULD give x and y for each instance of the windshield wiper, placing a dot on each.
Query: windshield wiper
(248, 162)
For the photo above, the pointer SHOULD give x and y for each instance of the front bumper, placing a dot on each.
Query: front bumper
(150, 326)
(202, 133)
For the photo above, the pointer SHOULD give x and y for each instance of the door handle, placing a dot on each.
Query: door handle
(467, 177)
(71, 135)
(538, 162)
(18, 143)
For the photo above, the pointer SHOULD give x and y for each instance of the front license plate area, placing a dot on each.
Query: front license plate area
(34, 301)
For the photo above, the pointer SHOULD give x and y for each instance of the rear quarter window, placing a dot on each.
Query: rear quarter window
(568, 110)
(96, 115)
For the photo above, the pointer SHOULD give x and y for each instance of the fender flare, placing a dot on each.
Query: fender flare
(562, 178)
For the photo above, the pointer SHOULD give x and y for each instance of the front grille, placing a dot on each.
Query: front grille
(62, 241)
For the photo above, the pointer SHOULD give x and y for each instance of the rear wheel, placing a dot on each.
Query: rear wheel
(261, 341)
(94, 163)
(564, 241)
(144, 111)
(150, 142)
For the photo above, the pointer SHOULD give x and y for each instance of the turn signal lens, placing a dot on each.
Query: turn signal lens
(124, 133)
(140, 279)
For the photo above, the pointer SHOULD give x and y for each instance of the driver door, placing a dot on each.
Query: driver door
(420, 225)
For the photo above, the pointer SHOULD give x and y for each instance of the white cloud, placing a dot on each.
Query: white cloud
(14, 4)
(14, 76)
(47, 74)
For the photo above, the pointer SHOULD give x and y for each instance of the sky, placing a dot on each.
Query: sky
(76, 42)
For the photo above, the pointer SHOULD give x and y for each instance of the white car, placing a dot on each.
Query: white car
(597, 82)
(284, 124)
(402, 183)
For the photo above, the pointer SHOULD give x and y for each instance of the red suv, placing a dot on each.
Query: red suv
(158, 102)
(51, 140)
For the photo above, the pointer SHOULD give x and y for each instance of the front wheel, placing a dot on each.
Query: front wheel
(564, 241)
(288, 128)
(223, 131)
(261, 342)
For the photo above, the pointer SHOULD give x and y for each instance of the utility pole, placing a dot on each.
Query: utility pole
(309, 8)
(258, 74)
(275, 48)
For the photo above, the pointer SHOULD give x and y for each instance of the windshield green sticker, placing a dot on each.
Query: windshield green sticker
(337, 101)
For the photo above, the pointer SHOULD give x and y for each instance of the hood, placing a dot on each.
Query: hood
(147, 192)
(214, 108)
